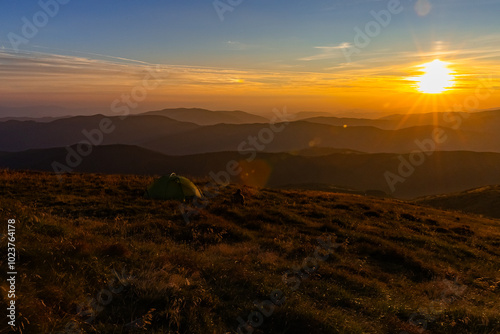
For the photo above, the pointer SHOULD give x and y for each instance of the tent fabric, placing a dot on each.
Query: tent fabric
(173, 187)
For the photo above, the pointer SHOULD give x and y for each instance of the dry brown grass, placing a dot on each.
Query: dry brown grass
(199, 278)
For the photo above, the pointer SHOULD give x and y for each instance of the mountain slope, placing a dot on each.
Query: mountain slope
(484, 201)
(302, 135)
(443, 172)
(341, 121)
(18, 135)
(34, 119)
(45, 111)
(483, 121)
(173, 137)
(96, 256)
(302, 115)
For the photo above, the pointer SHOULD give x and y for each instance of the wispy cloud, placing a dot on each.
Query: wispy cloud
(51, 77)
(328, 52)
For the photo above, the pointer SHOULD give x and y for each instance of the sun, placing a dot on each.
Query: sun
(436, 78)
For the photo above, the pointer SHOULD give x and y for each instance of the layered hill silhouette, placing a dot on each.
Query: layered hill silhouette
(167, 132)
(174, 137)
(42, 111)
(301, 135)
(319, 152)
(34, 119)
(346, 121)
(19, 135)
(443, 172)
(483, 120)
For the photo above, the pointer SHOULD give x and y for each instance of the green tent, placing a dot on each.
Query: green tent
(173, 187)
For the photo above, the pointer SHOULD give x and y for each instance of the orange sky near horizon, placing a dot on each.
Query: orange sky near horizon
(372, 88)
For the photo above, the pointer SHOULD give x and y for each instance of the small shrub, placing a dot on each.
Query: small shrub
(53, 231)
(342, 207)
(115, 250)
(409, 217)
(371, 214)
(431, 221)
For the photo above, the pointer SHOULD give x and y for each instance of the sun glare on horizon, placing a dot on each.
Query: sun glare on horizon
(436, 78)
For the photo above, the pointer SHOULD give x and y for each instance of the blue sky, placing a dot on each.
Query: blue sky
(256, 33)
(281, 35)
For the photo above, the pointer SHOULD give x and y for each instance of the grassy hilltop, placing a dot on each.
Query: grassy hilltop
(92, 245)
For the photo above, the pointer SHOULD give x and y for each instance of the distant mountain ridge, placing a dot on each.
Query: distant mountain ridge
(360, 172)
(45, 111)
(484, 120)
(324, 152)
(34, 119)
(301, 135)
(208, 117)
(174, 137)
(23, 135)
